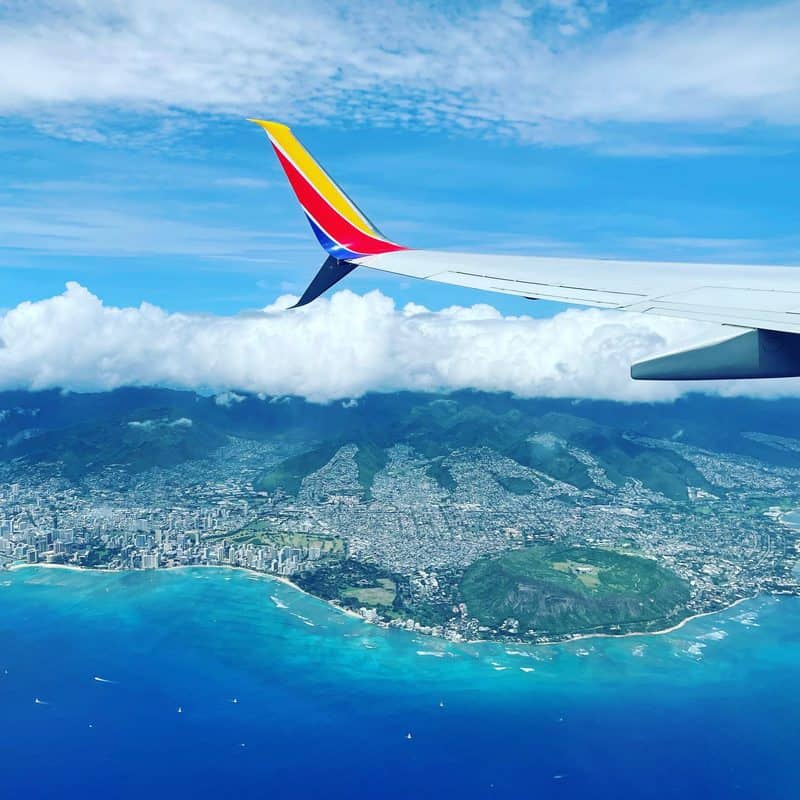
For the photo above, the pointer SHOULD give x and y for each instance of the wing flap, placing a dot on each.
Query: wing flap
(740, 318)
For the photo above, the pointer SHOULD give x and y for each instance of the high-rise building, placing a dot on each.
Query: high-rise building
(149, 560)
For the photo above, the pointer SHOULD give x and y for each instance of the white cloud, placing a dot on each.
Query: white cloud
(542, 70)
(150, 424)
(228, 399)
(340, 348)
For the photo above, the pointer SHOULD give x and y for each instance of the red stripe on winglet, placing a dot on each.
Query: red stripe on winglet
(335, 225)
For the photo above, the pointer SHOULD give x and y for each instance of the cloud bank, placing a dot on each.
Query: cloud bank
(340, 348)
(543, 70)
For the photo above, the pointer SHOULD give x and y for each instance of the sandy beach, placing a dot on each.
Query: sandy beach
(70, 567)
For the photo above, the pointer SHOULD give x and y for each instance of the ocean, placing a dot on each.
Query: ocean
(219, 683)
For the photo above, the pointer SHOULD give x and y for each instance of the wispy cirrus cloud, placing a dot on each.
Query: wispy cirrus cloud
(84, 231)
(565, 71)
(245, 182)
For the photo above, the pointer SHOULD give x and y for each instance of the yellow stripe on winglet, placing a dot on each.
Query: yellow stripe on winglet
(282, 135)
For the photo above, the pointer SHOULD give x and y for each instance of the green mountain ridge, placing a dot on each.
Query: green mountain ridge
(136, 444)
(437, 428)
(557, 590)
(86, 432)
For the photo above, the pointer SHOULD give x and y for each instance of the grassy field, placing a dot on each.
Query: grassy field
(559, 590)
(382, 594)
(262, 532)
(352, 584)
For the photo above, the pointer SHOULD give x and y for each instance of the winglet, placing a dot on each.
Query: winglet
(342, 229)
(331, 272)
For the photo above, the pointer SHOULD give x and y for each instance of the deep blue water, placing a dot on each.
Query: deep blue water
(325, 702)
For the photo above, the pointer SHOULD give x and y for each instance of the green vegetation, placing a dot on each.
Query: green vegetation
(550, 444)
(87, 430)
(658, 469)
(438, 472)
(288, 475)
(152, 438)
(98, 556)
(262, 533)
(514, 485)
(559, 590)
(353, 584)
(553, 459)
(139, 429)
(373, 596)
(370, 459)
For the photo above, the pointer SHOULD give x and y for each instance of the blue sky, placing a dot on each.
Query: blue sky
(207, 224)
(663, 131)
(183, 206)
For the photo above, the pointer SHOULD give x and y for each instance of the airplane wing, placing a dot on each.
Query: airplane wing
(763, 302)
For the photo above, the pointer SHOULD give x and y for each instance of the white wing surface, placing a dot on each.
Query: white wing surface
(762, 301)
(743, 296)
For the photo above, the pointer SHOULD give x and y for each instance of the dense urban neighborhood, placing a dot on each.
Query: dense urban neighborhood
(405, 547)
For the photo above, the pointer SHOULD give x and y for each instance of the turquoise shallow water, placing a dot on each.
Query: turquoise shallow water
(325, 703)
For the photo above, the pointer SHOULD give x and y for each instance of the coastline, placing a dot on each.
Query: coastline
(266, 575)
(70, 567)
(660, 632)
(354, 615)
